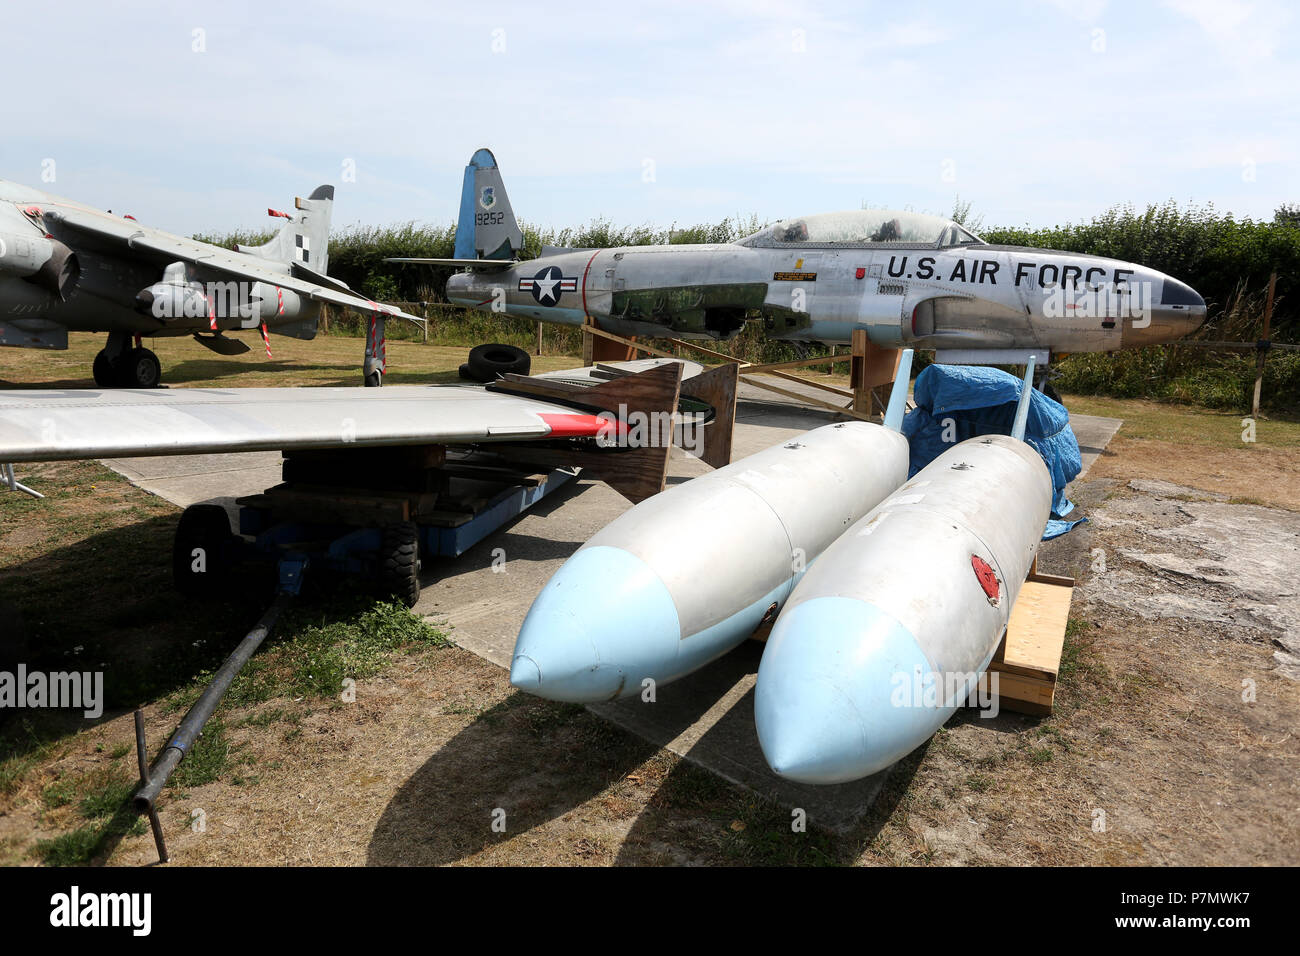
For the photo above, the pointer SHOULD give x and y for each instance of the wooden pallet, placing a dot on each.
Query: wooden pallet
(1029, 658)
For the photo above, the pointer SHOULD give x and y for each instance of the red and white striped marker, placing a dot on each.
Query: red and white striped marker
(383, 342)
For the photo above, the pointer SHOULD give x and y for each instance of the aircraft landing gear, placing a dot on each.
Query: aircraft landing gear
(123, 365)
(104, 370)
(140, 369)
(1045, 377)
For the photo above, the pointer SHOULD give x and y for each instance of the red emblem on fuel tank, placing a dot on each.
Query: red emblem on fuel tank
(987, 578)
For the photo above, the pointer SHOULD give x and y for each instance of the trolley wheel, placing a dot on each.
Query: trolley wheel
(202, 551)
(399, 562)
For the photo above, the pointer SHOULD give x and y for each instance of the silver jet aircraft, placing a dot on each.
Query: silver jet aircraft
(908, 279)
(67, 267)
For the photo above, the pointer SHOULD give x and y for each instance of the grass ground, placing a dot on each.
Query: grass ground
(411, 769)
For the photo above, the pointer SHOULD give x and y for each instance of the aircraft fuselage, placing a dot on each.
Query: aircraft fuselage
(971, 296)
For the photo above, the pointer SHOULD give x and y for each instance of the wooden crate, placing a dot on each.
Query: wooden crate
(1029, 658)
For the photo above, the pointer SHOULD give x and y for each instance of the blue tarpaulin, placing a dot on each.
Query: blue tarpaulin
(956, 402)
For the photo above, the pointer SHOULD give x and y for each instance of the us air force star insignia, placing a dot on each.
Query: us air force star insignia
(543, 285)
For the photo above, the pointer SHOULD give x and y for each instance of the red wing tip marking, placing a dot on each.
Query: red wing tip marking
(583, 426)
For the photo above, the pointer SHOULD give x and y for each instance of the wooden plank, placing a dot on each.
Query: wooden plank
(1028, 660)
(594, 330)
(758, 383)
(1025, 695)
(1052, 579)
(842, 392)
(799, 363)
(1036, 632)
(700, 348)
(717, 388)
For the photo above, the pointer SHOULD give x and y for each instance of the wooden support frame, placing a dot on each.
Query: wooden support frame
(872, 362)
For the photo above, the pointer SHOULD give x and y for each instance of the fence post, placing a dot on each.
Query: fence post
(1262, 352)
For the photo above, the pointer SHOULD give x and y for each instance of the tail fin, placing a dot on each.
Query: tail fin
(1022, 407)
(486, 227)
(898, 397)
(305, 238)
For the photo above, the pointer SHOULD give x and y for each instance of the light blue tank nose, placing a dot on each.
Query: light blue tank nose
(836, 693)
(601, 625)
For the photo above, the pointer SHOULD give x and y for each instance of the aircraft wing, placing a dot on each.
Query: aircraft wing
(528, 414)
(62, 425)
(483, 265)
(160, 247)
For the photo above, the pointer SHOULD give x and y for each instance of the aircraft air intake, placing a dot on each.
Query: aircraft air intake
(47, 263)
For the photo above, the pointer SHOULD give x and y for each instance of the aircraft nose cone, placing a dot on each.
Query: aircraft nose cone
(601, 625)
(835, 698)
(1183, 306)
(524, 673)
(1178, 312)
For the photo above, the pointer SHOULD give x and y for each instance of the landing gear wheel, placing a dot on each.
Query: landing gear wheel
(374, 378)
(1051, 393)
(139, 368)
(465, 373)
(202, 551)
(487, 362)
(104, 371)
(399, 562)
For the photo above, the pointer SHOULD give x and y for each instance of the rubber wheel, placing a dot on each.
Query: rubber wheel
(399, 562)
(1051, 392)
(103, 370)
(465, 373)
(486, 362)
(203, 528)
(139, 368)
(374, 378)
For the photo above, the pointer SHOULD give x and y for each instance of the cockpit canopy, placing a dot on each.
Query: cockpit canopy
(864, 227)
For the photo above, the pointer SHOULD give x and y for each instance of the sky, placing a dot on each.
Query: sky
(196, 117)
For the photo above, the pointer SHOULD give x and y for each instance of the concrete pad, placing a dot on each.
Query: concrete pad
(185, 480)
(1093, 434)
(707, 717)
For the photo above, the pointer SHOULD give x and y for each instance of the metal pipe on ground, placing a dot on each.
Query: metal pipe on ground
(155, 778)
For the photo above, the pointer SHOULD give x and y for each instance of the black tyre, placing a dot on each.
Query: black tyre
(486, 362)
(104, 371)
(374, 378)
(465, 373)
(1051, 392)
(399, 562)
(139, 368)
(203, 551)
